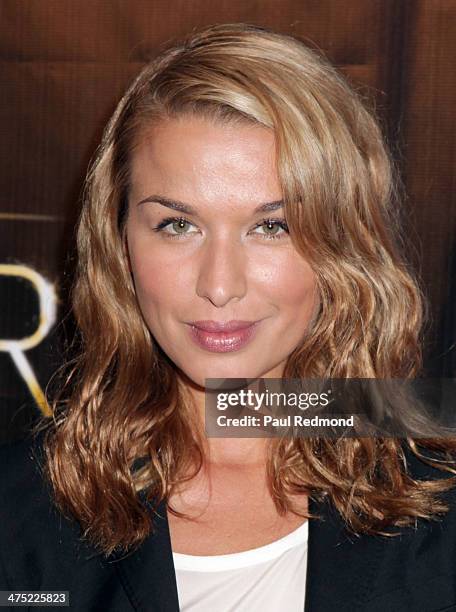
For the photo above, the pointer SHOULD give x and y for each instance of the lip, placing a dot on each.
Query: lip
(222, 326)
(223, 337)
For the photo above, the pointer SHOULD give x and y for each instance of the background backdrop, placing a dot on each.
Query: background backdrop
(63, 67)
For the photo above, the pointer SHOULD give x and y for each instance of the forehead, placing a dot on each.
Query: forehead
(207, 158)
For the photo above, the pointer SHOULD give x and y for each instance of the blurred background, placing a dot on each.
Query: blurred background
(64, 65)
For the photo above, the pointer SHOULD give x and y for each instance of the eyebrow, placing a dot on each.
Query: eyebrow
(189, 210)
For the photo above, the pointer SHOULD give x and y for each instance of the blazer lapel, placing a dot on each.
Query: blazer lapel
(148, 574)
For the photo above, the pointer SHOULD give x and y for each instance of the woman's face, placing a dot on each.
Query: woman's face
(222, 262)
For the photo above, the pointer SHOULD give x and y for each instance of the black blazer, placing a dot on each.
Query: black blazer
(39, 550)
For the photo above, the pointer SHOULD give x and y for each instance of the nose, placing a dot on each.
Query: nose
(222, 271)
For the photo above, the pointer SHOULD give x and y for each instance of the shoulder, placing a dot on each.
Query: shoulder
(37, 544)
(40, 549)
(24, 494)
(21, 484)
(413, 568)
(423, 557)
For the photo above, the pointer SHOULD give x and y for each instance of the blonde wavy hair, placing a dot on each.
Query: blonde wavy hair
(122, 424)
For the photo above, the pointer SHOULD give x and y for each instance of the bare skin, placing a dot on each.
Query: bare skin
(237, 514)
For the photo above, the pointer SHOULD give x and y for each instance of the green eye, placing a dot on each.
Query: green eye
(273, 227)
(180, 225)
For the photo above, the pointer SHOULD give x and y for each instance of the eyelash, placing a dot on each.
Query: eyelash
(160, 227)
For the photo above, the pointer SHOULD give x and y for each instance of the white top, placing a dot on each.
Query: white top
(271, 578)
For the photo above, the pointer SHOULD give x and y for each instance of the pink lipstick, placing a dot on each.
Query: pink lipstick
(222, 337)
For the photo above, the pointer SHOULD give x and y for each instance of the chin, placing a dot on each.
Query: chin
(221, 372)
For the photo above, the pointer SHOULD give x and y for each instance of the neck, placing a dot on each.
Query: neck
(224, 451)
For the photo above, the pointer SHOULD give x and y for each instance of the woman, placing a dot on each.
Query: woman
(239, 221)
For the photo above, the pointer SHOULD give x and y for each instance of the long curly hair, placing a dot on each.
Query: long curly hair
(122, 426)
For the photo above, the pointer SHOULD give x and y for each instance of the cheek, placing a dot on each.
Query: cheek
(162, 288)
(291, 283)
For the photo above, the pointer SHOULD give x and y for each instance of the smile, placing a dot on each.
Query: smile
(223, 341)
